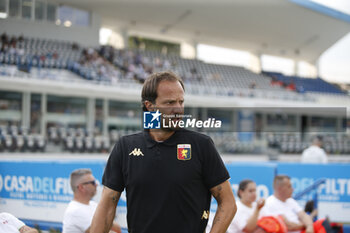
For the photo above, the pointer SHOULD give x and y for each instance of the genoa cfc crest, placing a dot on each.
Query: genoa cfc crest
(184, 151)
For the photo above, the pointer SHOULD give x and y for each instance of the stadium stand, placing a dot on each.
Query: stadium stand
(114, 67)
(293, 143)
(200, 77)
(51, 59)
(133, 66)
(80, 140)
(305, 84)
(17, 139)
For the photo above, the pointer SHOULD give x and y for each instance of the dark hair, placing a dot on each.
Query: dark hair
(279, 179)
(317, 139)
(150, 86)
(243, 185)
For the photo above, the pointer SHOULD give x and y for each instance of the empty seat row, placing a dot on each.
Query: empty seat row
(19, 143)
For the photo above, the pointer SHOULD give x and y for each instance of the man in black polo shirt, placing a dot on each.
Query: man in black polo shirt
(169, 174)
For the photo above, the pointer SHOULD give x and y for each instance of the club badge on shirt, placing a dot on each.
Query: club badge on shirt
(183, 151)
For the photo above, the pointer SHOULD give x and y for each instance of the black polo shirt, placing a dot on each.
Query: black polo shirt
(167, 183)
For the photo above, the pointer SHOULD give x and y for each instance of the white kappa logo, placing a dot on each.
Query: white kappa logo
(136, 152)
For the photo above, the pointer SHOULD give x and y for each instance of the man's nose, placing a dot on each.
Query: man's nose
(178, 108)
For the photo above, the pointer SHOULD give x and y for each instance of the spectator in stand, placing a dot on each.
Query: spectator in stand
(75, 46)
(20, 38)
(291, 86)
(4, 38)
(300, 89)
(252, 85)
(20, 50)
(276, 82)
(166, 65)
(13, 41)
(12, 49)
(315, 153)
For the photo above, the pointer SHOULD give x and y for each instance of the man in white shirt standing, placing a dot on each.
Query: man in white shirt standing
(282, 203)
(11, 224)
(314, 153)
(80, 211)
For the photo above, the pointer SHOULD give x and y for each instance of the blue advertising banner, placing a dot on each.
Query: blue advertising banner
(336, 188)
(42, 181)
(333, 195)
(40, 190)
(261, 173)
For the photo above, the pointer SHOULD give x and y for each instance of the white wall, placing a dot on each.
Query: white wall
(87, 36)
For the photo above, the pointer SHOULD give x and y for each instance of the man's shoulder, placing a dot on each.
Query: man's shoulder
(272, 200)
(306, 150)
(93, 203)
(132, 137)
(269, 199)
(5, 215)
(75, 209)
(292, 201)
(244, 208)
(71, 207)
(314, 148)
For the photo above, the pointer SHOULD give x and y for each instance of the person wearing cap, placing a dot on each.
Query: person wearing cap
(169, 174)
(78, 215)
(315, 153)
(282, 204)
(11, 224)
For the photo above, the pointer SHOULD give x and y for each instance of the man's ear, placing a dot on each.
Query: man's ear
(78, 187)
(150, 106)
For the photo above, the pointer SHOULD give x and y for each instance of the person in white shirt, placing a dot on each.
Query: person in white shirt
(247, 209)
(80, 211)
(281, 203)
(11, 224)
(314, 153)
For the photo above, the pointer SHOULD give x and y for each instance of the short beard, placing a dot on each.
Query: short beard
(171, 129)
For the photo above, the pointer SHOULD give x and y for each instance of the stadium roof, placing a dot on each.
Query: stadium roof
(297, 29)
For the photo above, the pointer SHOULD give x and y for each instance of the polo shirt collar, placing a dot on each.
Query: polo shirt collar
(172, 140)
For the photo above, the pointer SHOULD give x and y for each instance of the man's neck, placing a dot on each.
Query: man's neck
(160, 135)
(247, 203)
(279, 197)
(81, 199)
